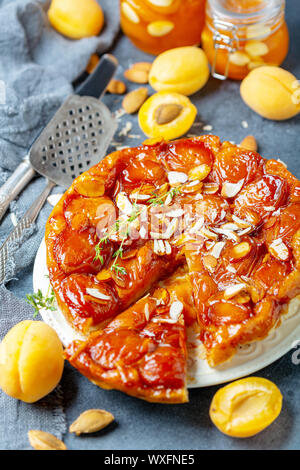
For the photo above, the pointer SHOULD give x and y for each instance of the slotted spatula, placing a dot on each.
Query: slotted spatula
(95, 85)
(76, 138)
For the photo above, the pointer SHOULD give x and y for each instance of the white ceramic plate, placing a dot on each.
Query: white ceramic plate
(248, 360)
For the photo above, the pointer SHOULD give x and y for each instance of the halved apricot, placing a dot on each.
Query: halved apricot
(179, 123)
(246, 407)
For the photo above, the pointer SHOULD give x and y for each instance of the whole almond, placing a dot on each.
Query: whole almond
(116, 87)
(41, 440)
(91, 421)
(166, 113)
(136, 75)
(134, 100)
(249, 143)
(145, 66)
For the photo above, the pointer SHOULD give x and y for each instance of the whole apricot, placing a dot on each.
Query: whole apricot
(31, 361)
(246, 407)
(272, 92)
(76, 19)
(167, 115)
(181, 70)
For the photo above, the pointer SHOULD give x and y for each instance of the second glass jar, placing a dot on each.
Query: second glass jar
(158, 25)
(242, 35)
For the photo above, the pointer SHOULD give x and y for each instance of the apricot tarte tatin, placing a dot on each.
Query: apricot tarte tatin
(158, 237)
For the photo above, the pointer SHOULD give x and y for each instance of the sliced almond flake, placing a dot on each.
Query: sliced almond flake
(177, 177)
(119, 113)
(134, 136)
(227, 233)
(176, 310)
(146, 312)
(190, 184)
(205, 232)
(168, 200)
(97, 294)
(161, 246)
(168, 248)
(231, 269)
(209, 244)
(136, 196)
(124, 204)
(270, 208)
(163, 320)
(283, 163)
(155, 235)
(240, 222)
(207, 127)
(276, 213)
(121, 147)
(115, 144)
(245, 231)
(54, 199)
(175, 213)
(230, 226)
(172, 227)
(232, 291)
(279, 250)
(278, 241)
(217, 249)
(231, 189)
(125, 130)
(197, 226)
(143, 232)
(156, 247)
(223, 214)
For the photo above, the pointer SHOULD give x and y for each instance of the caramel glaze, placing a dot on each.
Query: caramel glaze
(267, 202)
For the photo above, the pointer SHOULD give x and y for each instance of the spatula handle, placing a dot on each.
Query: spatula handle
(96, 84)
(14, 185)
(14, 238)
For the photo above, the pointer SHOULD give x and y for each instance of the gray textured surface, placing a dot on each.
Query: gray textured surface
(37, 66)
(142, 425)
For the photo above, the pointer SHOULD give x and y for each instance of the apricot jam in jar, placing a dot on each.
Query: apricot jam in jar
(158, 25)
(240, 35)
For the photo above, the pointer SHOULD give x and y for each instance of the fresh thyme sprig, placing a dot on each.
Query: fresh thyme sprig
(38, 300)
(154, 201)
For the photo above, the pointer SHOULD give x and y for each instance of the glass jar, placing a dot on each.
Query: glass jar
(157, 25)
(240, 35)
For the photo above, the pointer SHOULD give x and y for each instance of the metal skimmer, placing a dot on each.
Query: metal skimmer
(76, 138)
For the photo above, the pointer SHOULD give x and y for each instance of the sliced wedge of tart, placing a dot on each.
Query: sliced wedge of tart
(143, 350)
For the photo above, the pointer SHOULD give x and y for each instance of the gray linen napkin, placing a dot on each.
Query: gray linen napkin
(37, 67)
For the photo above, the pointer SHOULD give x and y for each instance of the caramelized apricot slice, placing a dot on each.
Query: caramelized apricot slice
(81, 212)
(89, 187)
(75, 251)
(228, 312)
(82, 291)
(234, 164)
(145, 170)
(187, 154)
(246, 407)
(286, 225)
(262, 196)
